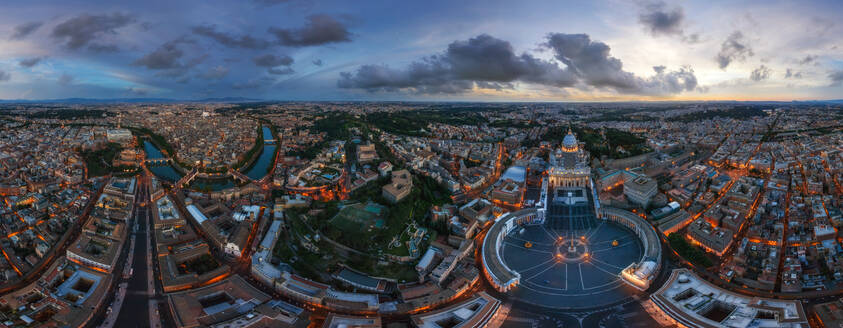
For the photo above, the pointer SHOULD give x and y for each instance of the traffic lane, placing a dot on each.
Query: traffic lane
(136, 304)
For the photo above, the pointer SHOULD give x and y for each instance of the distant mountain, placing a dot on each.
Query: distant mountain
(127, 100)
(831, 101)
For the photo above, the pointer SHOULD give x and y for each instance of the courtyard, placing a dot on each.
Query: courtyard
(571, 268)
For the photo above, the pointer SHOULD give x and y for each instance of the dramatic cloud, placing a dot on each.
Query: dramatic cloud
(242, 41)
(270, 60)
(167, 56)
(592, 63)
(420, 77)
(4, 76)
(735, 47)
(480, 59)
(660, 20)
(489, 63)
(761, 73)
(29, 62)
(23, 30)
(317, 62)
(790, 73)
(65, 79)
(485, 58)
(836, 78)
(81, 30)
(319, 29)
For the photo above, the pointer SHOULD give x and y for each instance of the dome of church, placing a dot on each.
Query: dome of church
(570, 141)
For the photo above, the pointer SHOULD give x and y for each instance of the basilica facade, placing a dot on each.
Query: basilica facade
(568, 165)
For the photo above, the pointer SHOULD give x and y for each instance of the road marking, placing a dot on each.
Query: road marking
(552, 237)
(533, 250)
(579, 268)
(566, 276)
(614, 275)
(609, 264)
(594, 231)
(615, 282)
(536, 266)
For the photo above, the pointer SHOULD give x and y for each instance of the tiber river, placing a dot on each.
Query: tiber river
(256, 171)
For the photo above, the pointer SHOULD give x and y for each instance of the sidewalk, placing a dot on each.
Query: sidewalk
(115, 307)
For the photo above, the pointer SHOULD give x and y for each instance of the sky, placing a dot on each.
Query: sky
(467, 50)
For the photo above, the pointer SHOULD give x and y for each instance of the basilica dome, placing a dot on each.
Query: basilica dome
(570, 141)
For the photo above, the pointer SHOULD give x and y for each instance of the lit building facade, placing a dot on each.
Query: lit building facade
(569, 183)
(569, 165)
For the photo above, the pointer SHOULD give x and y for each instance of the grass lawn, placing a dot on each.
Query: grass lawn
(359, 226)
(282, 250)
(315, 265)
(99, 162)
(689, 252)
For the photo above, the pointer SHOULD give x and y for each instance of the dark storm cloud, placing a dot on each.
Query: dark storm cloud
(29, 62)
(790, 73)
(272, 63)
(65, 79)
(660, 20)
(420, 77)
(761, 73)
(735, 47)
(317, 62)
(23, 30)
(490, 63)
(483, 59)
(836, 78)
(270, 60)
(79, 31)
(229, 40)
(319, 29)
(591, 62)
(4, 76)
(168, 57)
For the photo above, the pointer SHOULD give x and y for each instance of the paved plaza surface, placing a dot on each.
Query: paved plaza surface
(574, 266)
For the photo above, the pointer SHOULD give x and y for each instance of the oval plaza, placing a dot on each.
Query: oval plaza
(568, 252)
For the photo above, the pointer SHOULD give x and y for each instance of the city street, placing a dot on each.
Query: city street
(130, 302)
(136, 304)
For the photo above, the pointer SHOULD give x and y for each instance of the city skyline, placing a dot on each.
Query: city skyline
(470, 51)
